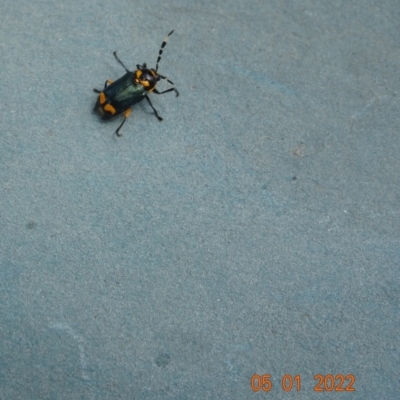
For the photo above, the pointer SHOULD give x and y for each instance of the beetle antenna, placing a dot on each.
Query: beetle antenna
(162, 47)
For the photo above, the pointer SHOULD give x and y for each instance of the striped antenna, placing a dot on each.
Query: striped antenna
(162, 47)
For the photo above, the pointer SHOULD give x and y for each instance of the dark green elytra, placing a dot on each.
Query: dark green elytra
(118, 97)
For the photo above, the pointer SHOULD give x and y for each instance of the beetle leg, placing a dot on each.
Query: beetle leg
(169, 90)
(155, 111)
(108, 82)
(164, 77)
(126, 115)
(166, 91)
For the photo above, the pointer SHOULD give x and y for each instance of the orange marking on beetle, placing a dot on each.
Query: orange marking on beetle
(109, 81)
(102, 97)
(145, 83)
(127, 113)
(110, 108)
(138, 74)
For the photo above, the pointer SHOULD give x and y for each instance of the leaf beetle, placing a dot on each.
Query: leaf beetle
(119, 96)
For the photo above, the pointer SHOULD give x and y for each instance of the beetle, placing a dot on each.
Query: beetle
(119, 96)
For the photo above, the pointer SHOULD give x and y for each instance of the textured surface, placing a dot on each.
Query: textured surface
(255, 230)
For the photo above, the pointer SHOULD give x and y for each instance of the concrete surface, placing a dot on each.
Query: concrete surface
(254, 231)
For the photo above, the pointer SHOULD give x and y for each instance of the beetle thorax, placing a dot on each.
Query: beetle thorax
(146, 77)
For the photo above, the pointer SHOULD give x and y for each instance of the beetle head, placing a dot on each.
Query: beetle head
(147, 77)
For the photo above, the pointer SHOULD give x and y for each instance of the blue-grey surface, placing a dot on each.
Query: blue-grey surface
(254, 231)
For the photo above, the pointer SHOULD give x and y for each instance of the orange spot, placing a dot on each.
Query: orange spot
(102, 98)
(110, 108)
(145, 83)
(127, 113)
(109, 81)
(138, 74)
